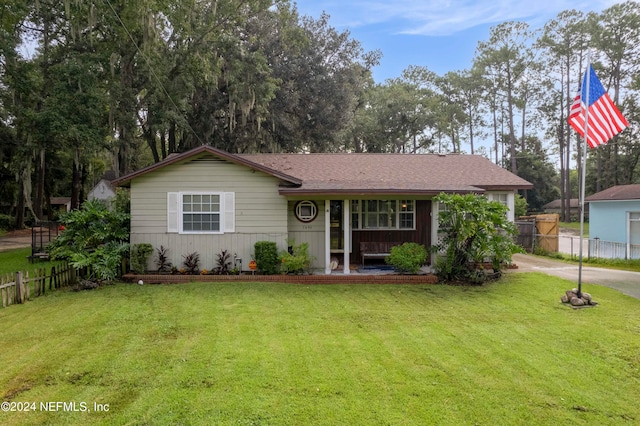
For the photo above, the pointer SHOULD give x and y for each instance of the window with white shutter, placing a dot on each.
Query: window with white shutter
(201, 212)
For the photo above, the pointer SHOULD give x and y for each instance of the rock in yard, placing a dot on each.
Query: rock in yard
(576, 301)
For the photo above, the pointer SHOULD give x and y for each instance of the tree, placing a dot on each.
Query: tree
(506, 57)
(536, 167)
(564, 42)
(473, 230)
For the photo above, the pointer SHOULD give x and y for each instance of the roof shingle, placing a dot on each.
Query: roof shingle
(617, 193)
(390, 173)
(350, 173)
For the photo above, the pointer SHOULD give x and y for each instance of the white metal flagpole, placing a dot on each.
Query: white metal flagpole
(583, 177)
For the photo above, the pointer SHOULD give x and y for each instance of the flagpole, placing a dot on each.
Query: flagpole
(583, 177)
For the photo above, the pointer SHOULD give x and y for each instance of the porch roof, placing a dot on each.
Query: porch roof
(426, 174)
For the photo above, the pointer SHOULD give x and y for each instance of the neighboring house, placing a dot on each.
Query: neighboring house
(555, 207)
(103, 190)
(614, 217)
(60, 205)
(207, 200)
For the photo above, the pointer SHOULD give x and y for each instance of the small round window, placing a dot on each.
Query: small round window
(306, 211)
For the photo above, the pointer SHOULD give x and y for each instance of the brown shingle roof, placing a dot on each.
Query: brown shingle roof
(304, 174)
(556, 204)
(389, 173)
(619, 192)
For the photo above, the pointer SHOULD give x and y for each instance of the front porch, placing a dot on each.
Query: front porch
(337, 230)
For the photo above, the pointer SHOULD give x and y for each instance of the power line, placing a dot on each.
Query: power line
(151, 69)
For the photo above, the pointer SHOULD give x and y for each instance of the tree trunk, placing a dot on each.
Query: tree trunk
(75, 181)
(39, 201)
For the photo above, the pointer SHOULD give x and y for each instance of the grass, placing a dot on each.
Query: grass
(275, 354)
(16, 260)
(632, 265)
(576, 226)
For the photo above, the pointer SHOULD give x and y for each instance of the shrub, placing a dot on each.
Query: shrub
(408, 257)
(191, 263)
(296, 261)
(139, 256)
(223, 263)
(162, 260)
(7, 222)
(266, 257)
(474, 230)
(93, 238)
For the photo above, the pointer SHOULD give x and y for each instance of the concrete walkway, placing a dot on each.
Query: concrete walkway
(624, 281)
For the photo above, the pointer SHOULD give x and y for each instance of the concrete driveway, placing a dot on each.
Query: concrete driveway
(15, 239)
(624, 281)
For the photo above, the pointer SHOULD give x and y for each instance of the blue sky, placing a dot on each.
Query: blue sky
(439, 34)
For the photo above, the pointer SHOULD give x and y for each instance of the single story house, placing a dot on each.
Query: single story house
(207, 200)
(555, 207)
(60, 204)
(104, 190)
(614, 222)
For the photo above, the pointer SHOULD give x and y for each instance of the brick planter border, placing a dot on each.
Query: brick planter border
(286, 279)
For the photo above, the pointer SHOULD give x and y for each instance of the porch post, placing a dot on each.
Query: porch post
(346, 229)
(327, 237)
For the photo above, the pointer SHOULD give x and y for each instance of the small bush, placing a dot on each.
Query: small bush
(408, 257)
(191, 263)
(7, 222)
(162, 260)
(139, 255)
(297, 261)
(223, 263)
(266, 257)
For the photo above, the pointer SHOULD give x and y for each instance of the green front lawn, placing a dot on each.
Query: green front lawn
(258, 354)
(17, 260)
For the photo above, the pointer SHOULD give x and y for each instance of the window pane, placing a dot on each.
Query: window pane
(201, 213)
(372, 220)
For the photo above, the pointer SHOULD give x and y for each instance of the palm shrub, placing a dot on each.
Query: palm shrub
(407, 257)
(223, 263)
(162, 260)
(191, 263)
(473, 230)
(94, 238)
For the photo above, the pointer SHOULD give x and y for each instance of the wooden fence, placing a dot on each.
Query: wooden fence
(18, 287)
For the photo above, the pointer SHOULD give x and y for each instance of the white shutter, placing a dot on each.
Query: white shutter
(172, 211)
(229, 212)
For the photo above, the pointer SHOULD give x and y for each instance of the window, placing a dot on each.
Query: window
(306, 211)
(355, 214)
(200, 212)
(502, 198)
(633, 236)
(407, 214)
(383, 214)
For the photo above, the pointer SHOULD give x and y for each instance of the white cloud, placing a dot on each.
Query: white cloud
(442, 17)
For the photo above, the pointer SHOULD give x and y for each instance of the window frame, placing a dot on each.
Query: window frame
(360, 212)
(220, 212)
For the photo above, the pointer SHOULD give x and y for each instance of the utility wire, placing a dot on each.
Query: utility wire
(151, 69)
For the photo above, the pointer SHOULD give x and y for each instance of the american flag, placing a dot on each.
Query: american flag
(605, 120)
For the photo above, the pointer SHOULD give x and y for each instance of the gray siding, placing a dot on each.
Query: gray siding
(311, 233)
(260, 212)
